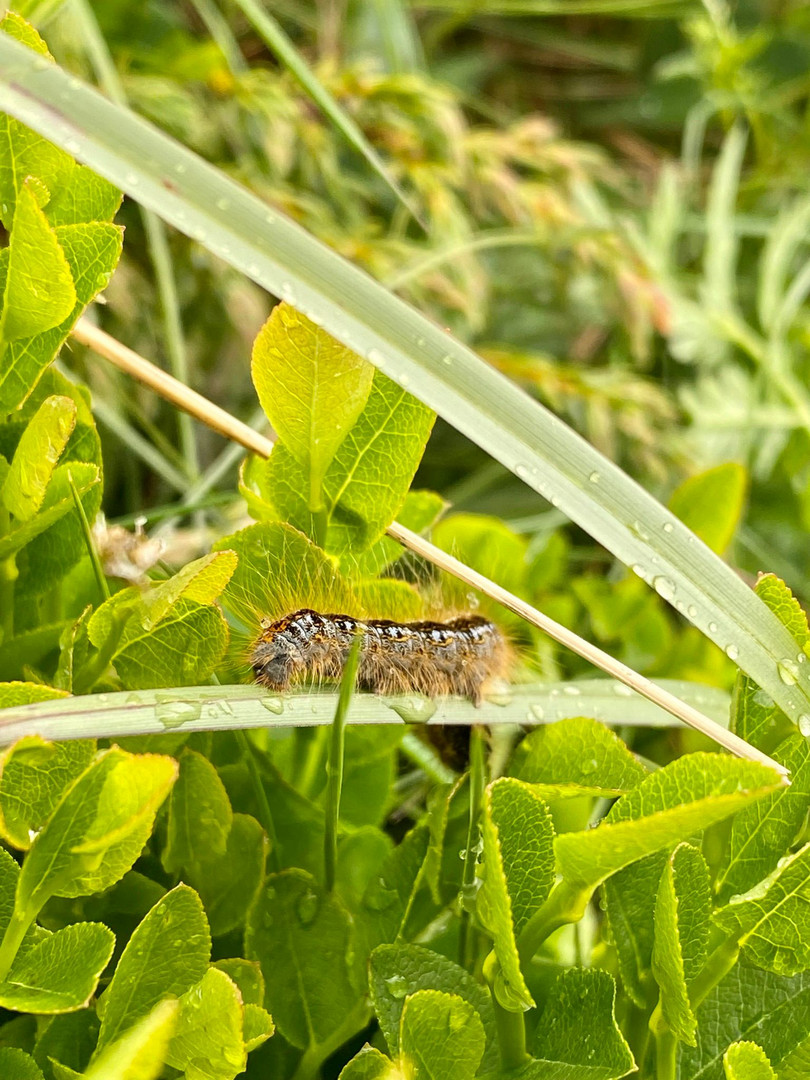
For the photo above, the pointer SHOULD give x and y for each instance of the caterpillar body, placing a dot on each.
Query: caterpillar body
(458, 657)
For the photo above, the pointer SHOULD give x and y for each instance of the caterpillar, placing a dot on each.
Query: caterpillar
(458, 657)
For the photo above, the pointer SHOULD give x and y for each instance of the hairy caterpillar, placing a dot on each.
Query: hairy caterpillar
(432, 658)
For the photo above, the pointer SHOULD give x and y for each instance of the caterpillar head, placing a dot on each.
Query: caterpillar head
(275, 660)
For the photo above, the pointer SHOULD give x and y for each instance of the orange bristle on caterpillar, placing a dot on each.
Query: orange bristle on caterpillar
(458, 657)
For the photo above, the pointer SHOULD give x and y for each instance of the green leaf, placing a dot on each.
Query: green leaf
(750, 1004)
(312, 389)
(490, 547)
(441, 1037)
(61, 972)
(53, 512)
(369, 773)
(92, 251)
(370, 1064)
(166, 955)
(202, 581)
(200, 815)
(711, 503)
(754, 714)
(482, 404)
(33, 776)
(301, 935)
(579, 753)
(762, 833)
(398, 971)
(772, 920)
(361, 853)
(518, 875)
(280, 571)
(29, 648)
(16, 1064)
(36, 457)
(52, 551)
(388, 909)
(68, 1039)
(207, 1043)
(681, 932)
(141, 1051)
(667, 807)
(98, 829)
(578, 1027)
(374, 466)
(182, 650)
(247, 974)
(24, 693)
(366, 483)
(74, 650)
(747, 1061)
(228, 884)
(418, 512)
(34, 256)
(258, 1027)
(15, 26)
(629, 898)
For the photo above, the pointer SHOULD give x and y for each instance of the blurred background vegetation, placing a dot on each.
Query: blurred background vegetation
(611, 206)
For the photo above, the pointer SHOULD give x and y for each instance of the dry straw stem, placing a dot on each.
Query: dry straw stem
(200, 407)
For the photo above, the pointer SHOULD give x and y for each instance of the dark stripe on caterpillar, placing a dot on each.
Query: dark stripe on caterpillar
(458, 657)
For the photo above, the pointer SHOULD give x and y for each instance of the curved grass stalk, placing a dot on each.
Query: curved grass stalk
(229, 708)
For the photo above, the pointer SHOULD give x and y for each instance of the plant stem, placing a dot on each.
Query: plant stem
(98, 569)
(565, 903)
(715, 969)
(12, 939)
(510, 1025)
(248, 753)
(334, 765)
(666, 1054)
(8, 575)
(478, 780)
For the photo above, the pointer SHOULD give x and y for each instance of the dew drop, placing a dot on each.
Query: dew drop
(801, 657)
(571, 691)
(692, 611)
(413, 710)
(621, 690)
(640, 531)
(521, 471)
(131, 180)
(397, 986)
(667, 526)
(307, 908)
(180, 168)
(173, 714)
(376, 357)
(536, 712)
(713, 627)
(804, 724)
(273, 705)
(447, 359)
(788, 672)
(594, 478)
(664, 587)
(223, 204)
(732, 652)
